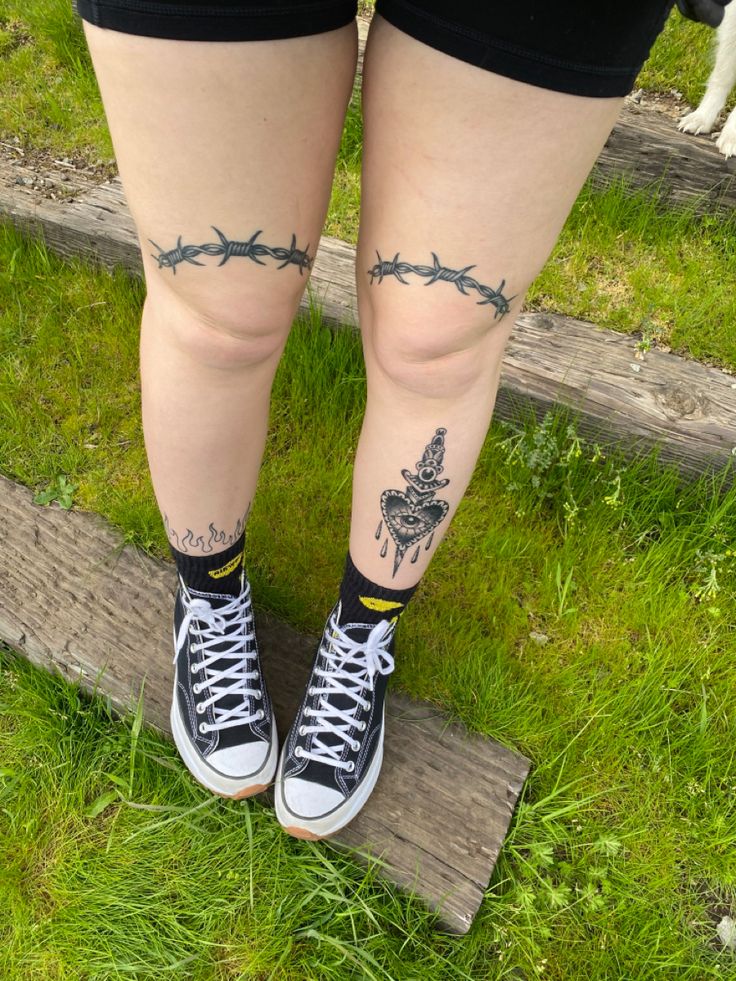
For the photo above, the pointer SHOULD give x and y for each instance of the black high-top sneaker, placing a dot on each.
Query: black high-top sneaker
(333, 753)
(221, 715)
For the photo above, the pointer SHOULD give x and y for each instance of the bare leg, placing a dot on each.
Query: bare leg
(466, 169)
(217, 141)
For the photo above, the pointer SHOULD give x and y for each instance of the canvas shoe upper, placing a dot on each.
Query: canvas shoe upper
(332, 755)
(221, 714)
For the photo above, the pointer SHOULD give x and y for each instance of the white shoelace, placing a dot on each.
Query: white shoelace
(370, 657)
(231, 626)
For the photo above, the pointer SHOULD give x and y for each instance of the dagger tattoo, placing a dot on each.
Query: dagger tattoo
(414, 513)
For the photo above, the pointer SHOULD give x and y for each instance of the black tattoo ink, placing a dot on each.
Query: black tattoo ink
(412, 514)
(189, 541)
(438, 272)
(291, 256)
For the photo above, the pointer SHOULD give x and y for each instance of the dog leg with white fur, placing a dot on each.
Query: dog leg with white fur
(722, 80)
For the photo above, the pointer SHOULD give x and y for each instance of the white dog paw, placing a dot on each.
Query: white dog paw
(697, 121)
(726, 142)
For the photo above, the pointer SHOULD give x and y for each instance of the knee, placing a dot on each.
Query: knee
(227, 330)
(437, 353)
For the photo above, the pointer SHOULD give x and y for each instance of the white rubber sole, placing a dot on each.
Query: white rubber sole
(323, 827)
(218, 783)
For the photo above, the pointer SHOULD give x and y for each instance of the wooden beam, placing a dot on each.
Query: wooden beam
(686, 408)
(444, 800)
(647, 151)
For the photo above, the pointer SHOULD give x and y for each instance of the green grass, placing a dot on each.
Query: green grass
(681, 59)
(578, 609)
(624, 262)
(51, 101)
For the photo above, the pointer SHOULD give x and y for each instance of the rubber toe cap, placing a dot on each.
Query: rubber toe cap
(239, 761)
(310, 800)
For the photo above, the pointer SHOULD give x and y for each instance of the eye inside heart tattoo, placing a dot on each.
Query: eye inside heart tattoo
(413, 514)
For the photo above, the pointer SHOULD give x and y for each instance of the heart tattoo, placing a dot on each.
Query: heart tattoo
(413, 514)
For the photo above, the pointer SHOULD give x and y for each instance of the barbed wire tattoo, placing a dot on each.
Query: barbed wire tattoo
(250, 249)
(439, 273)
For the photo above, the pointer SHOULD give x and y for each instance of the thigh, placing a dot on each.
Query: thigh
(468, 176)
(226, 151)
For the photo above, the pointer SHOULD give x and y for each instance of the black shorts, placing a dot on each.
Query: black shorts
(591, 49)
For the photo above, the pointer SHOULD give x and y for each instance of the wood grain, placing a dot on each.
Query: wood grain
(74, 600)
(647, 152)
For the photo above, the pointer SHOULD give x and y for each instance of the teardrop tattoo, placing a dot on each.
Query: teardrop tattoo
(414, 513)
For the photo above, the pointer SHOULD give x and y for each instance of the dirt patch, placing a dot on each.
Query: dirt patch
(672, 103)
(49, 176)
(717, 903)
(13, 35)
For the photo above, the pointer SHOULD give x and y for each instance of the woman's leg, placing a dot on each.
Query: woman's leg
(226, 151)
(218, 142)
(467, 179)
(466, 169)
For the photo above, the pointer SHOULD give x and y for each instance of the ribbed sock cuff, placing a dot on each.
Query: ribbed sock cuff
(215, 572)
(364, 601)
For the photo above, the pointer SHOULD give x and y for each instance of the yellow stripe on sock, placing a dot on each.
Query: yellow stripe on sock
(219, 573)
(381, 605)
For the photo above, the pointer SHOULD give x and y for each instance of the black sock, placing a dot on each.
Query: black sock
(216, 572)
(363, 601)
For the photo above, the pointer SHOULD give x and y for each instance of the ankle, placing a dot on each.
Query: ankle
(215, 572)
(364, 601)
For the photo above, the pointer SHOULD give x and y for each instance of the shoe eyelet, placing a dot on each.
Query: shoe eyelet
(199, 708)
(298, 751)
(362, 726)
(311, 690)
(196, 688)
(302, 730)
(355, 746)
(194, 668)
(203, 727)
(350, 767)
(259, 696)
(260, 714)
(307, 713)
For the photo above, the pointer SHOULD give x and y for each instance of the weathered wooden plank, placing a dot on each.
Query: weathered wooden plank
(686, 408)
(646, 149)
(444, 800)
